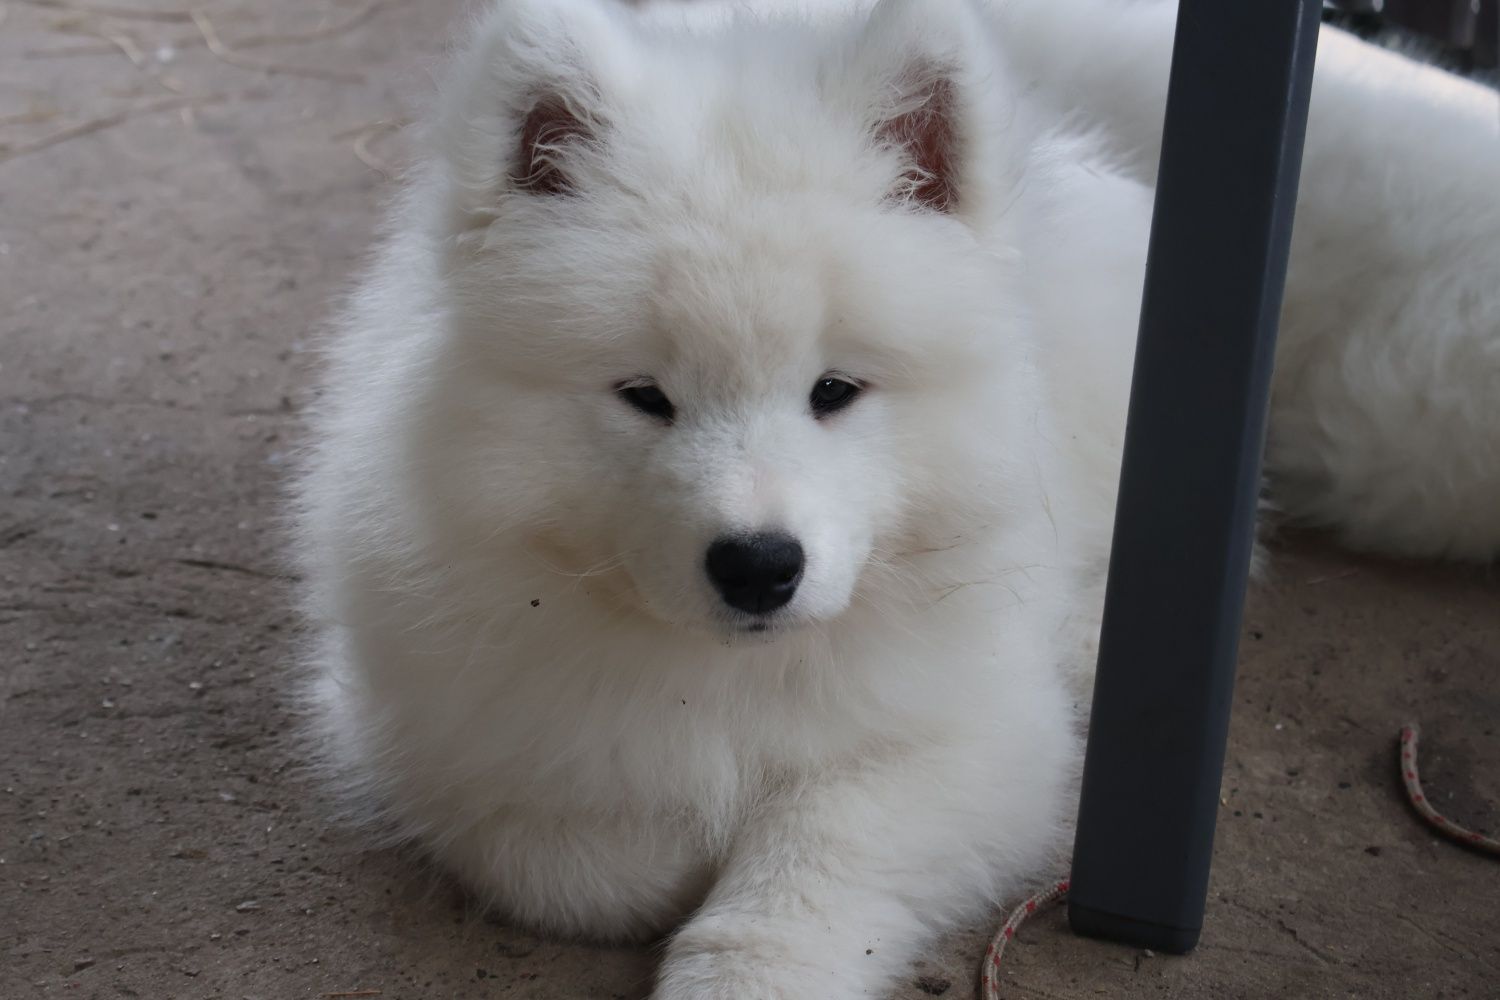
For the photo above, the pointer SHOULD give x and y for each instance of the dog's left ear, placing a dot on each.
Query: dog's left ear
(911, 74)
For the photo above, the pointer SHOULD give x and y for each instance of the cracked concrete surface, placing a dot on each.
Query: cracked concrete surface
(173, 226)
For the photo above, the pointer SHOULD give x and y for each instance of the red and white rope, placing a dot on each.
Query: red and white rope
(1419, 802)
(989, 973)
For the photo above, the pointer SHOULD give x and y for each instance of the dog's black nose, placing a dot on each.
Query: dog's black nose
(755, 573)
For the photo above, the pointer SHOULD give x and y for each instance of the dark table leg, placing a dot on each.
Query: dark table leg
(1231, 151)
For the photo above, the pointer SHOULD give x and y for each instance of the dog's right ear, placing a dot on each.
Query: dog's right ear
(525, 107)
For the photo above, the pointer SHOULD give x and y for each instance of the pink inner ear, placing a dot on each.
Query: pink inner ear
(928, 136)
(548, 126)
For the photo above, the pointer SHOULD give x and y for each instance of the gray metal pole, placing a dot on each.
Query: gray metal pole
(1231, 152)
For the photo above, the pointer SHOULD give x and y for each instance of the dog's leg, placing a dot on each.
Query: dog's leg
(833, 886)
(599, 878)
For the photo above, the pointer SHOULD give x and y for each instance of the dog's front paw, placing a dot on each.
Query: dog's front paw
(715, 959)
(724, 977)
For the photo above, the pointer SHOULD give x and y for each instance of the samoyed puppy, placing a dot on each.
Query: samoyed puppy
(705, 520)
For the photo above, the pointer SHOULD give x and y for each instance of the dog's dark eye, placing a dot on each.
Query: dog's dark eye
(831, 394)
(649, 399)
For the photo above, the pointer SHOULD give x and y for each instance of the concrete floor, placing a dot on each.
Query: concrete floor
(163, 263)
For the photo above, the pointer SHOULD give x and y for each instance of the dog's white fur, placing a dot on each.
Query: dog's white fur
(521, 662)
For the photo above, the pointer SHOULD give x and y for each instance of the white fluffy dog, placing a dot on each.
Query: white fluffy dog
(707, 513)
